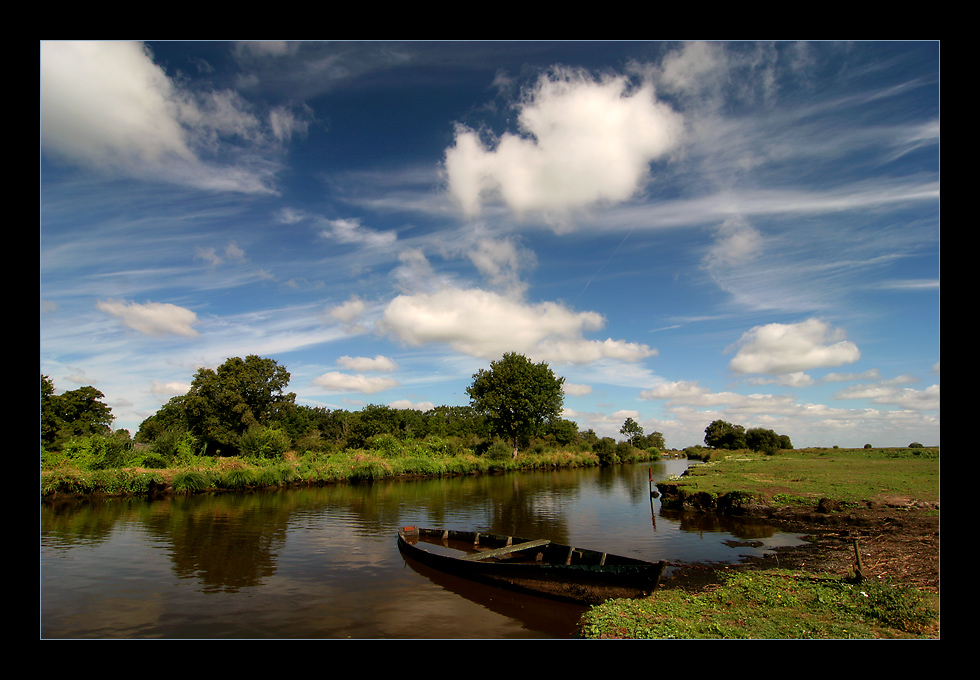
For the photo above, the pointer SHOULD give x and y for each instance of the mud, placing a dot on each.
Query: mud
(897, 539)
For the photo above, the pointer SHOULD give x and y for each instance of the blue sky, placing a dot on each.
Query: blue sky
(685, 231)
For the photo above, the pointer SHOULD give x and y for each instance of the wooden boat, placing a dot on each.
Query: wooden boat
(533, 566)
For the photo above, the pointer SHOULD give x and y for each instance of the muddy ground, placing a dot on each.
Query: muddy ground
(898, 539)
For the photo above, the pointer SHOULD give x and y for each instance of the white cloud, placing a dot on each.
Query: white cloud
(888, 393)
(349, 311)
(345, 382)
(361, 364)
(737, 242)
(787, 348)
(152, 318)
(487, 325)
(169, 389)
(406, 404)
(107, 105)
(583, 141)
(696, 67)
(576, 390)
(501, 262)
(352, 231)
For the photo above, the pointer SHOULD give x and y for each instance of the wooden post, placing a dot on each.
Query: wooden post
(858, 566)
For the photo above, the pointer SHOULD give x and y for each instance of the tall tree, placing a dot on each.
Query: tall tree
(631, 430)
(517, 397)
(223, 404)
(75, 413)
(723, 435)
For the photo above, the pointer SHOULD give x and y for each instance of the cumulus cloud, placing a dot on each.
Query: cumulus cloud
(152, 318)
(405, 404)
(889, 393)
(787, 348)
(575, 390)
(582, 141)
(361, 364)
(107, 105)
(349, 311)
(169, 389)
(334, 381)
(690, 393)
(486, 325)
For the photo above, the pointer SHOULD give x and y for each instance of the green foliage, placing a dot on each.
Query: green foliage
(223, 404)
(191, 481)
(95, 452)
(894, 605)
(723, 435)
(767, 605)
(263, 442)
(517, 397)
(605, 450)
(72, 414)
(631, 430)
(178, 447)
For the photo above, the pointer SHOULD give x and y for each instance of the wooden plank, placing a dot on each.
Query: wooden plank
(507, 549)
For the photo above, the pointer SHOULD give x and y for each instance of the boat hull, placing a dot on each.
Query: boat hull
(552, 570)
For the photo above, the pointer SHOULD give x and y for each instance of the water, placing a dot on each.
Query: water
(323, 563)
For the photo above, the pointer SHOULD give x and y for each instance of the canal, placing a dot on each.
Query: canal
(323, 563)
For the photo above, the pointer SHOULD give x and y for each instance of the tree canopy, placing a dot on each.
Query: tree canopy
(517, 397)
(74, 413)
(223, 404)
(631, 430)
(723, 435)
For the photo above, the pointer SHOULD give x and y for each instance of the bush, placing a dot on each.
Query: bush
(264, 442)
(499, 451)
(178, 447)
(605, 450)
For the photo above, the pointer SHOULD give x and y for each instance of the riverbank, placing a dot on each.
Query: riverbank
(884, 500)
(878, 534)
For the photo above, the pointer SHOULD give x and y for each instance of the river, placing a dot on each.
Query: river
(323, 563)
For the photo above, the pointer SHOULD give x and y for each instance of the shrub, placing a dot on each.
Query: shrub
(605, 449)
(264, 442)
(499, 451)
(179, 447)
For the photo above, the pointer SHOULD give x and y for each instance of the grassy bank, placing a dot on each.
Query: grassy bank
(776, 604)
(80, 474)
(803, 477)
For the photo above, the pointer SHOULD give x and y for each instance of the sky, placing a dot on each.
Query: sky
(684, 231)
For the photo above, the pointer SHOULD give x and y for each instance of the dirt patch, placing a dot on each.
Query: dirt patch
(897, 539)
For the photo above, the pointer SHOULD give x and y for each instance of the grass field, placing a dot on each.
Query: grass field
(804, 476)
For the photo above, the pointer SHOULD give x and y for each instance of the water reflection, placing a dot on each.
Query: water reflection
(319, 563)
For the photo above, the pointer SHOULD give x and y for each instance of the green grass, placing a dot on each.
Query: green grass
(770, 605)
(388, 458)
(804, 476)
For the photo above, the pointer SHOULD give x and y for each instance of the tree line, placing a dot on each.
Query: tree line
(724, 435)
(243, 408)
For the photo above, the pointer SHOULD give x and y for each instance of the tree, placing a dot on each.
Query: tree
(761, 439)
(517, 397)
(722, 435)
(631, 430)
(223, 404)
(75, 413)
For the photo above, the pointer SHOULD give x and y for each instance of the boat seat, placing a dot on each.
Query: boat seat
(507, 549)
